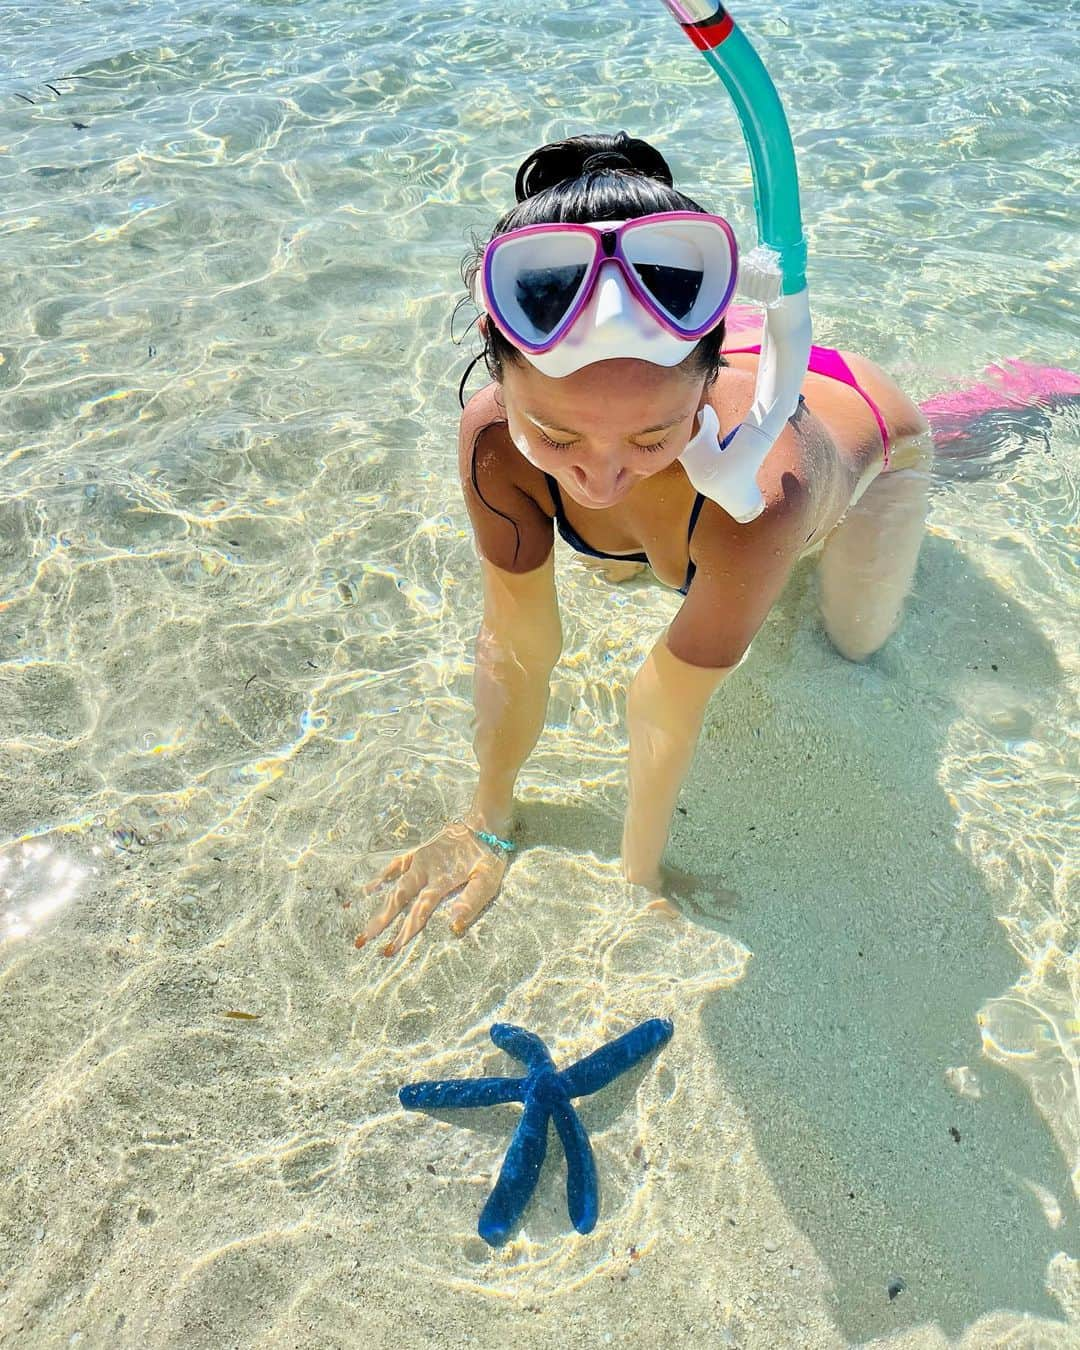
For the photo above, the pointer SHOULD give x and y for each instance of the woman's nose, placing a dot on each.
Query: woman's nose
(598, 480)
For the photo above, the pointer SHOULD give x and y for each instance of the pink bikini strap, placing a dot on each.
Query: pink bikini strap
(828, 361)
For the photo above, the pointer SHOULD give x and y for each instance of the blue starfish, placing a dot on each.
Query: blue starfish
(546, 1092)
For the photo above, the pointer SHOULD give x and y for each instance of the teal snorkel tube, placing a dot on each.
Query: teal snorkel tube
(773, 274)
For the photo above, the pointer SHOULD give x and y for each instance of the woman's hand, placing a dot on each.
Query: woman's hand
(703, 898)
(453, 860)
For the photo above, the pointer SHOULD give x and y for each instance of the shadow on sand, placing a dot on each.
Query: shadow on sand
(860, 996)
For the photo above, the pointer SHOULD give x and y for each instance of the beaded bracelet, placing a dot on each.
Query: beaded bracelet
(494, 841)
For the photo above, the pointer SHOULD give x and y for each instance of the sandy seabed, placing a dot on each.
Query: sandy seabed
(847, 1106)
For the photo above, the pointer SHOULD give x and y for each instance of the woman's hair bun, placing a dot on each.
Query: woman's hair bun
(606, 159)
(564, 161)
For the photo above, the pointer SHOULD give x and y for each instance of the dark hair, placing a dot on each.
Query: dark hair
(585, 178)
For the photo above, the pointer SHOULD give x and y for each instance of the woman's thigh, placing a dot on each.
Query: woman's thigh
(868, 560)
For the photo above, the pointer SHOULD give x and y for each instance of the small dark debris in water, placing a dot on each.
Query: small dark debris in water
(955, 1133)
(851, 1195)
(150, 350)
(235, 543)
(681, 810)
(242, 1016)
(431, 1168)
(53, 88)
(125, 836)
(992, 666)
(633, 1251)
(25, 99)
(895, 1286)
(253, 677)
(81, 126)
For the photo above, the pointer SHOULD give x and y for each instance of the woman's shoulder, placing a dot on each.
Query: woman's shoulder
(486, 449)
(482, 411)
(513, 526)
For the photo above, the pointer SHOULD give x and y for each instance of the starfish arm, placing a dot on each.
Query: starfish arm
(519, 1174)
(582, 1188)
(604, 1065)
(523, 1045)
(435, 1094)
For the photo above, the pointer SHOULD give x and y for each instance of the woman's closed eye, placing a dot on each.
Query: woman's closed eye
(565, 445)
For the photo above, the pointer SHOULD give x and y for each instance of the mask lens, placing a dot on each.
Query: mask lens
(675, 289)
(535, 280)
(544, 294)
(685, 266)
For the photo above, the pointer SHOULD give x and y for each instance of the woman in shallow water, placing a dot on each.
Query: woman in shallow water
(596, 451)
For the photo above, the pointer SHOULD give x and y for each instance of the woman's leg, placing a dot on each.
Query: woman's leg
(868, 561)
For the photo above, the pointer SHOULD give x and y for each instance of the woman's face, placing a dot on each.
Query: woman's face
(604, 428)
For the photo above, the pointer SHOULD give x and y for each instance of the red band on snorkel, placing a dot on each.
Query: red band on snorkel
(707, 34)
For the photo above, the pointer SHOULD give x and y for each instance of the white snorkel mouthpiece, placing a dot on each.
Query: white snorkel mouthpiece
(729, 476)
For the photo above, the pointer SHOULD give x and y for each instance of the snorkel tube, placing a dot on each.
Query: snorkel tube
(773, 274)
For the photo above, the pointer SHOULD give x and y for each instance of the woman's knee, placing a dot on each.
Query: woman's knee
(859, 638)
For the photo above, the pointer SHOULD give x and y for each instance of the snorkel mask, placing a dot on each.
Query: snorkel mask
(568, 295)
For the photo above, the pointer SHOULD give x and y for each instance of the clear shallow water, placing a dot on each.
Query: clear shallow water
(237, 608)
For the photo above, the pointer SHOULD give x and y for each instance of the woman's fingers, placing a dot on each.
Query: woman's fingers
(402, 895)
(454, 864)
(422, 909)
(393, 869)
(477, 895)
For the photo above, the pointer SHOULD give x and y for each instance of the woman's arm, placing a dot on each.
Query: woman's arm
(741, 570)
(518, 646)
(520, 637)
(519, 642)
(665, 707)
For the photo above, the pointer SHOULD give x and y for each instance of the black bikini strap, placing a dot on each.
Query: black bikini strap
(553, 488)
(698, 504)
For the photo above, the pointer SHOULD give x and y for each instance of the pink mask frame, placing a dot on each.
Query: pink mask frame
(607, 244)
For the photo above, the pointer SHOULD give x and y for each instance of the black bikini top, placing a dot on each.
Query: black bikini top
(576, 542)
